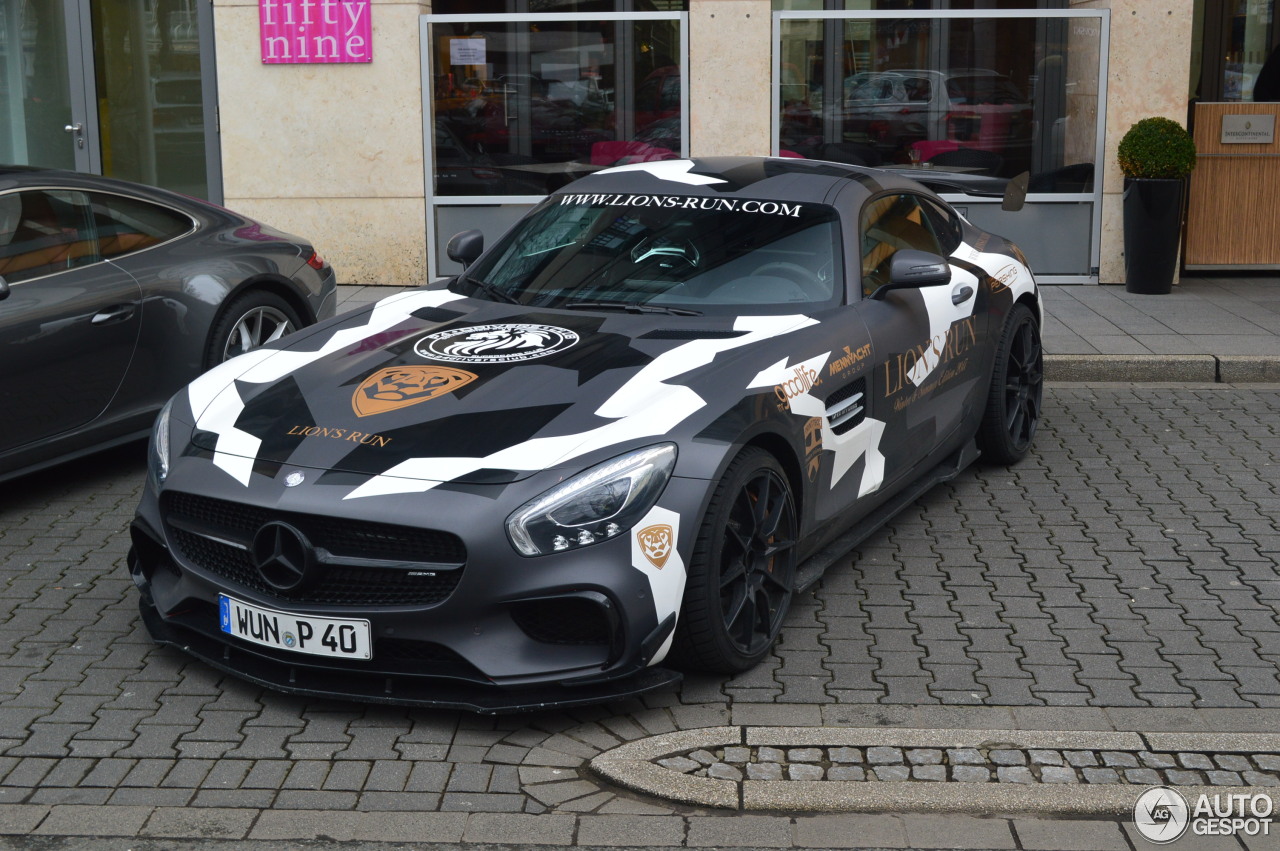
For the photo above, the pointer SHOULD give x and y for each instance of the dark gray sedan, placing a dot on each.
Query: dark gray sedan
(114, 295)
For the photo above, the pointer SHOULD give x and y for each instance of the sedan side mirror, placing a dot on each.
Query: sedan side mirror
(4, 288)
(465, 247)
(911, 268)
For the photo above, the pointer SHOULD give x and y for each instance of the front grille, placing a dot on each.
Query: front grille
(214, 535)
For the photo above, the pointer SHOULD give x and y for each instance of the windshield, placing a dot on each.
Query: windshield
(682, 253)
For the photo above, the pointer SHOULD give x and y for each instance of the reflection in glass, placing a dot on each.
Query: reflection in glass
(524, 108)
(150, 98)
(994, 96)
(35, 98)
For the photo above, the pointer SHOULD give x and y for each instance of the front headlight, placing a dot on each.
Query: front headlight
(159, 449)
(593, 506)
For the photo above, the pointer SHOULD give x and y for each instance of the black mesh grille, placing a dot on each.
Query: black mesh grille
(429, 578)
(569, 620)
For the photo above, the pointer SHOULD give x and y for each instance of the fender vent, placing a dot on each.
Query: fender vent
(847, 407)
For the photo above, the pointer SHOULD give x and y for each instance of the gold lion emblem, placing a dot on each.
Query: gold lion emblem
(655, 542)
(401, 386)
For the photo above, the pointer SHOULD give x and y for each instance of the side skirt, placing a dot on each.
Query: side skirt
(813, 567)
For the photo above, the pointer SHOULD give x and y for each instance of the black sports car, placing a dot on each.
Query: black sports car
(658, 407)
(114, 295)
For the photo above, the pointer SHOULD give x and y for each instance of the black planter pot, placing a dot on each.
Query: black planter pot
(1152, 226)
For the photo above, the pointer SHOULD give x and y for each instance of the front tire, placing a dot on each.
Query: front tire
(251, 320)
(742, 573)
(1017, 388)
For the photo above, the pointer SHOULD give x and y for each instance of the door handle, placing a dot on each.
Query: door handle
(116, 313)
(961, 294)
(76, 130)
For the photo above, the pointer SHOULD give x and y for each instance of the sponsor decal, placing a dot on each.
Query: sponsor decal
(851, 359)
(803, 379)
(812, 446)
(506, 343)
(943, 348)
(1003, 277)
(656, 542)
(684, 202)
(364, 438)
(398, 387)
(1163, 815)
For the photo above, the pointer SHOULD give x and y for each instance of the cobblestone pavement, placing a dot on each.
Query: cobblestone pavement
(1125, 577)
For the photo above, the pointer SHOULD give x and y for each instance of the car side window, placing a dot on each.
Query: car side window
(889, 224)
(945, 225)
(127, 224)
(43, 231)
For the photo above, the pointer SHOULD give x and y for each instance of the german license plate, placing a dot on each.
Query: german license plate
(344, 638)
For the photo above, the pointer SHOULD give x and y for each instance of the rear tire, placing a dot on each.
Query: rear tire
(252, 319)
(1017, 387)
(742, 572)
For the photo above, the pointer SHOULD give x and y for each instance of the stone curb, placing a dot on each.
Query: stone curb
(1164, 369)
(1131, 368)
(631, 766)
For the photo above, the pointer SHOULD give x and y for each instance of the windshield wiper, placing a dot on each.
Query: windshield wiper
(498, 295)
(631, 307)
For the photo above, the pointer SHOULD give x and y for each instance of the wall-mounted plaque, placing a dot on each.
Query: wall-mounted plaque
(1248, 129)
(309, 31)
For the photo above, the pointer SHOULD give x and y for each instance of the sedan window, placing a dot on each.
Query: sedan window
(126, 225)
(42, 232)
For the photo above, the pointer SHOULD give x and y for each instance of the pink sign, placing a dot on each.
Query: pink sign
(306, 31)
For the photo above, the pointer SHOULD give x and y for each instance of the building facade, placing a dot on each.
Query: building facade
(463, 113)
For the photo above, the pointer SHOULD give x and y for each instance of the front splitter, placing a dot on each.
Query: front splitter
(434, 692)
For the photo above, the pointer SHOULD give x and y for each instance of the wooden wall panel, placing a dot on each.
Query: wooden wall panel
(1233, 217)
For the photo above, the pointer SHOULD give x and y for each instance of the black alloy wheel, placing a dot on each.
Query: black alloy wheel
(1017, 390)
(743, 569)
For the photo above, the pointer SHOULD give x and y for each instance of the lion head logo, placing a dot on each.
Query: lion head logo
(401, 386)
(656, 542)
(504, 343)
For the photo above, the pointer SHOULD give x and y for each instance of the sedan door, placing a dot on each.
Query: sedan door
(70, 323)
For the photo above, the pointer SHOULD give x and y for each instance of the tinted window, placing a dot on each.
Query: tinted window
(889, 224)
(694, 253)
(43, 232)
(127, 224)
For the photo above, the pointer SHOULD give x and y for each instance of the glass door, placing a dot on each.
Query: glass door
(42, 86)
(120, 89)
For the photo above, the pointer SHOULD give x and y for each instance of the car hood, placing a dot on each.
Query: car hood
(428, 385)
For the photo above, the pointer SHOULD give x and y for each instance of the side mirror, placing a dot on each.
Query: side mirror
(1015, 194)
(4, 288)
(465, 247)
(911, 268)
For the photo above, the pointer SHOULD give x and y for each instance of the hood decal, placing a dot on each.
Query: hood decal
(396, 387)
(215, 399)
(645, 406)
(504, 343)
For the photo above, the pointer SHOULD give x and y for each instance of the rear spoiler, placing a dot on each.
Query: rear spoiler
(1012, 191)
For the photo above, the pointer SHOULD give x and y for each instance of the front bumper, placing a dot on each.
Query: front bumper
(496, 633)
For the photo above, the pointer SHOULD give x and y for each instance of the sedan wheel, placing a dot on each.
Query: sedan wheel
(1017, 386)
(252, 320)
(743, 569)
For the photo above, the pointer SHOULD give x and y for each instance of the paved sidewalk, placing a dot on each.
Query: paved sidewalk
(1223, 328)
(1209, 329)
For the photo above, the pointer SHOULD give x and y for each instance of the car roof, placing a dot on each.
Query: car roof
(774, 178)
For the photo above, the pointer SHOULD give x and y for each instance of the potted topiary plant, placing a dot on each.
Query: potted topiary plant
(1156, 155)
